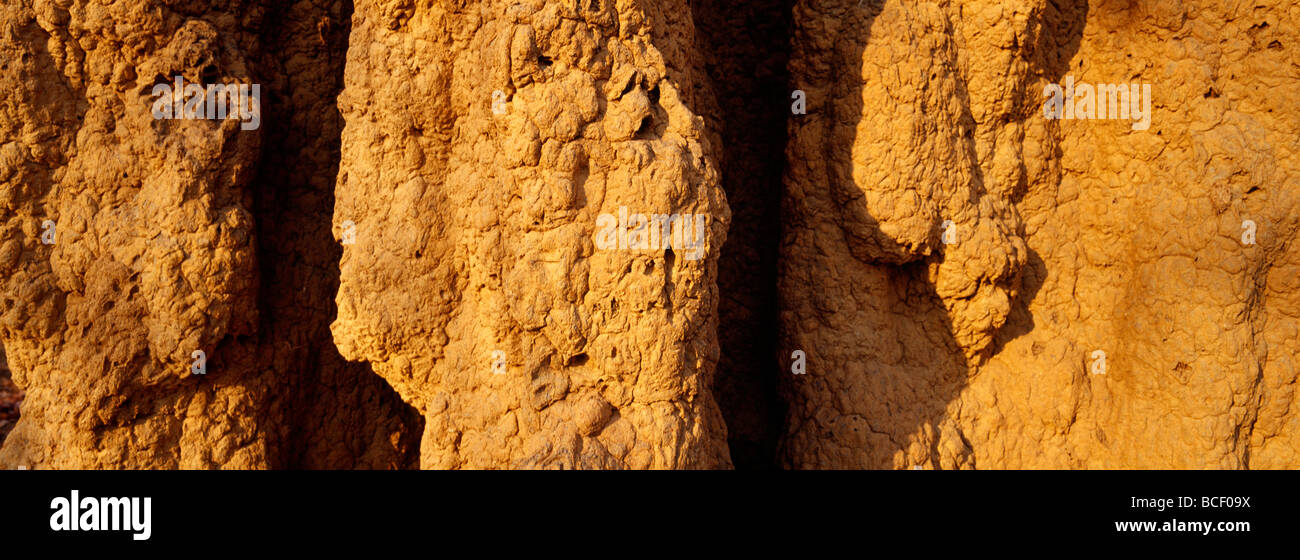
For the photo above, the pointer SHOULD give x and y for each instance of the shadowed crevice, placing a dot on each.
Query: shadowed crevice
(345, 416)
(11, 397)
(746, 45)
(884, 361)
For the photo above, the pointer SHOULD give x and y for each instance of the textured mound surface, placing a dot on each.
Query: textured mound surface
(176, 236)
(1097, 306)
(482, 145)
(652, 234)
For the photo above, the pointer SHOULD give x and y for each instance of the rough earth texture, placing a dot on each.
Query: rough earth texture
(402, 266)
(11, 398)
(474, 285)
(1072, 237)
(175, 236)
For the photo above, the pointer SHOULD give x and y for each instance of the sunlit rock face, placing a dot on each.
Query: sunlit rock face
(532, 217)
(162, 300)
(653, 234)
(980, 281)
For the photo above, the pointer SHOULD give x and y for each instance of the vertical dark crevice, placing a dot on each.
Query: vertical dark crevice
(861, 407)
(746, 46)
(342, 412)
(11, 397)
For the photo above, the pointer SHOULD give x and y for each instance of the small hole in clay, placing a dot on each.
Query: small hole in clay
(646, 128)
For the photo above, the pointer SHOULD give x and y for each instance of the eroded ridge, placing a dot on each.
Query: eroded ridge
(497, 160)
(978, 281)
(150, 321)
